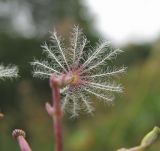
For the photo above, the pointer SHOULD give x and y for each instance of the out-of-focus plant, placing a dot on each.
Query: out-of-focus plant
(8, 72)
(148, 140)
(1, 115)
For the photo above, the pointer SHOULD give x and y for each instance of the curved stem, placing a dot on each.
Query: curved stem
(24, 146)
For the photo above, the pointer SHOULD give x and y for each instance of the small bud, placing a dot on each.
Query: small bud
(151, 137)
(18, 132)
(19, 135)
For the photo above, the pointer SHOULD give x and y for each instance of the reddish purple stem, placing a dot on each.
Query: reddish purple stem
(57, 116)
(23, 144)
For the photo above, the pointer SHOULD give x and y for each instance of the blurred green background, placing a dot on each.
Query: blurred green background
(135, 112)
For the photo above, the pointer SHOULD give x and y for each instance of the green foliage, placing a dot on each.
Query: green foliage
(135, 53)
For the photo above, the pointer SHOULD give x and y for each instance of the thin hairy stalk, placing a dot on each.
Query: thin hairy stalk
(112, 73)
(99, 96)
(108, 57)
(87, 104)
(54, 37)
(81, 51)
(115, 89)
(37, 63)
(65, 102)
(75, 107)
(75, 40)
(46, 49)
(94, 55)
(109, 86)
(40, 73)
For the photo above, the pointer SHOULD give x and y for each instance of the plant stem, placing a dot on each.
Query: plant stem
(23, 144)
(57, 117)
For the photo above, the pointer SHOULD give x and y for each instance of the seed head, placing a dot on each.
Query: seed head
(19, 135)
(79, 72)
(18, 132)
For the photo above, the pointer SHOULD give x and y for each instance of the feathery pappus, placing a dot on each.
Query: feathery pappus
(80, 72)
